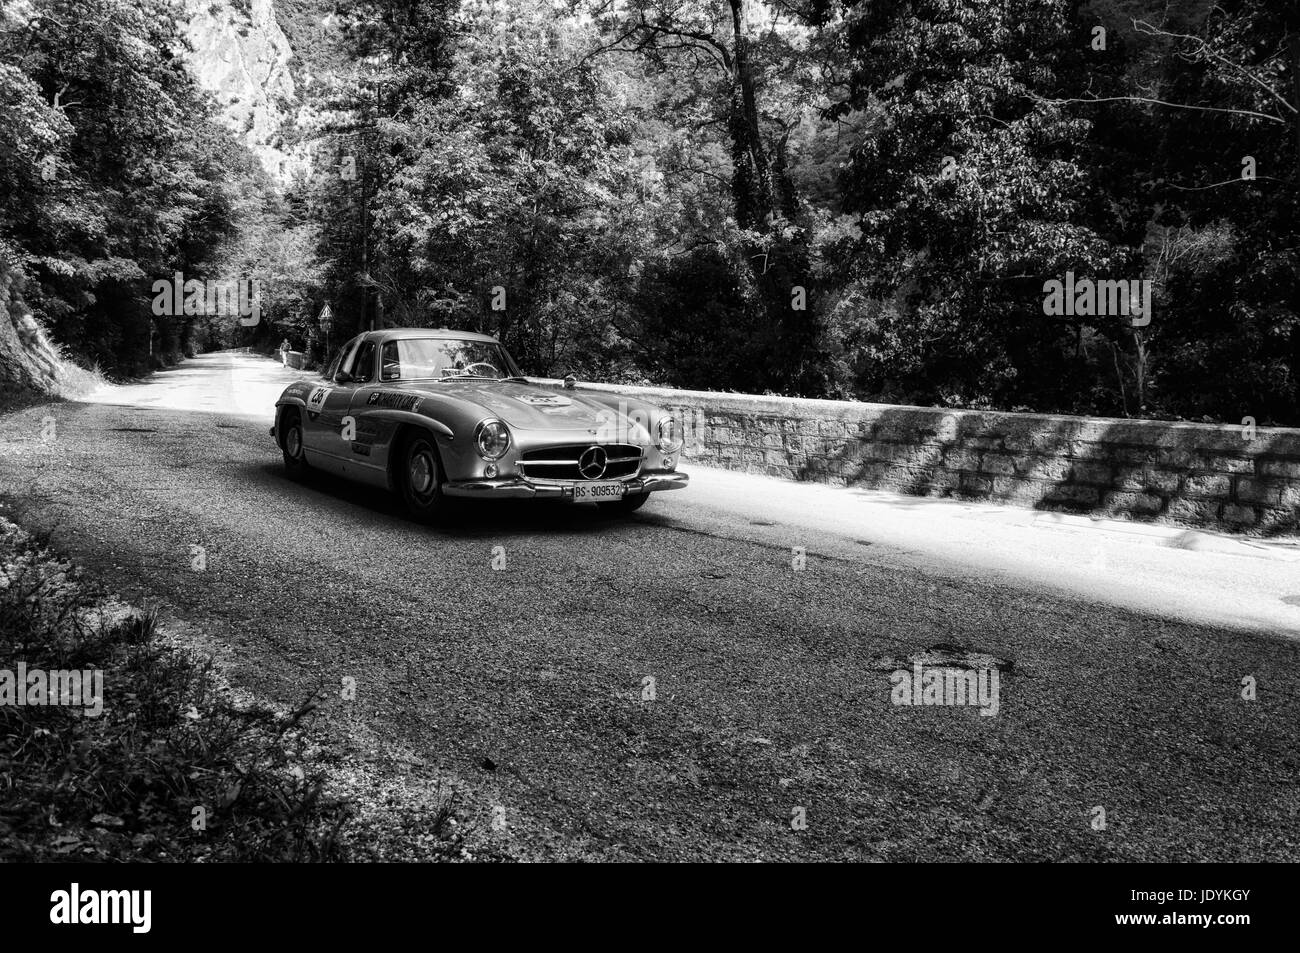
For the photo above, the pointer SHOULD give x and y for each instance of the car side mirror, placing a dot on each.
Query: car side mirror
(570, 382)
(343, 377)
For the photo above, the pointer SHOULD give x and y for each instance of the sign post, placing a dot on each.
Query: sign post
(326, 322)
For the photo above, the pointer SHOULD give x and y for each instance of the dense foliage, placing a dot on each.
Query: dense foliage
(112, 174)
(846, 198)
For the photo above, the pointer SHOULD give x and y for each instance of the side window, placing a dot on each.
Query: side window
(341, 358)
(392, 362)
(333, 366)
(363, 365)
(344, 361)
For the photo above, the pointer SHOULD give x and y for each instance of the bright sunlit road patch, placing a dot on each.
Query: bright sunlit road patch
(1172, 571)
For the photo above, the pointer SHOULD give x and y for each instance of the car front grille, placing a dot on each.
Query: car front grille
(561, 463)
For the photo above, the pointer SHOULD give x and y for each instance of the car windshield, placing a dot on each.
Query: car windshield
(408, 359)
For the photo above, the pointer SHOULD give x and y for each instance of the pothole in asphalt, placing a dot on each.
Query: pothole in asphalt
(946, 655)
(1291, 600)
(760, 523)
(132, 430)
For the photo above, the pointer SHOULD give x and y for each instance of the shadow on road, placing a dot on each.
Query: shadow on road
(470, 519)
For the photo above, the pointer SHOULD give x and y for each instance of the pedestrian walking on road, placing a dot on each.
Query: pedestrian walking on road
(284, 352)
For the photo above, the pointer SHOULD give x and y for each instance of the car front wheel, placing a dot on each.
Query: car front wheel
(295, 460)
(422, 481)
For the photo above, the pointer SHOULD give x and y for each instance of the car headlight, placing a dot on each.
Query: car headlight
(668, 441)
(492, 439)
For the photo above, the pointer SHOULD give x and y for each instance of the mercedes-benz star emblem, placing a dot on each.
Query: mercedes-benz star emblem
(592, 463)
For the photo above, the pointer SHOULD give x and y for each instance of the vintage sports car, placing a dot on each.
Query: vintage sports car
(434, 414)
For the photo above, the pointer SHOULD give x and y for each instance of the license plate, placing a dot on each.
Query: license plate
(597, 492)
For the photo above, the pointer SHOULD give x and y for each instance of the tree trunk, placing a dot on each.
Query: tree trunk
(752, 177)
(1293, 42)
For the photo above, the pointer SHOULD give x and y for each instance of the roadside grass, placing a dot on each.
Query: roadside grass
(176, 767)
(67, 380)
(73, 380)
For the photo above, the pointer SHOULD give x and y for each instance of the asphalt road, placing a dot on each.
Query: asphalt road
(1120, 654)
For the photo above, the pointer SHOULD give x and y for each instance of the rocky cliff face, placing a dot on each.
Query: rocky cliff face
(19, 374)
(30, 366)
(241, 55)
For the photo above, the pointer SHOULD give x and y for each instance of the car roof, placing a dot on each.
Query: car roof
(407, 334)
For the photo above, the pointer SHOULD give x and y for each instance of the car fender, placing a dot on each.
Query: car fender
(442, 434)
(410, 417)
(295, 395)
(288, 399)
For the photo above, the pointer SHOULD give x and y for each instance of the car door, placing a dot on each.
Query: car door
(327, 405)
(374, 429)
(366, 439)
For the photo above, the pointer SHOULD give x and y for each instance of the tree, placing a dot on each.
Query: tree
(971, 194)
(511, 215)
(398, 55)
(1195, 115)
(120, 178)
(732, 73)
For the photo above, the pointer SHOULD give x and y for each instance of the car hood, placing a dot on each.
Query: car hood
(529, 407)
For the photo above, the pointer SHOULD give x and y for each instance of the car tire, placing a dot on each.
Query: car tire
(295, 457)
(628, 504)
(421, 478)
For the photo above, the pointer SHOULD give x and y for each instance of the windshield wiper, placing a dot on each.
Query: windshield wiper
(476, 377)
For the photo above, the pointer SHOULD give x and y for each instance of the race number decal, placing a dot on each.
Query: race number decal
(537, 400)
(316, 402)
(395, 401)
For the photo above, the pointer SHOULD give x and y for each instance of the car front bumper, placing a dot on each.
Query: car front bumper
(518, 488)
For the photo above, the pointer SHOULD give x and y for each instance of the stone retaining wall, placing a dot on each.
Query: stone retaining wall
(1197, 474)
